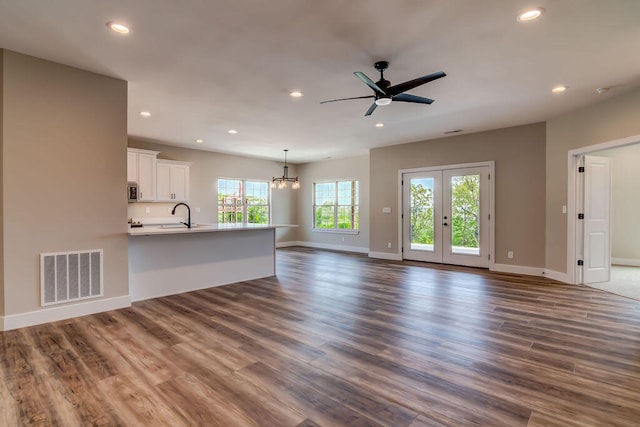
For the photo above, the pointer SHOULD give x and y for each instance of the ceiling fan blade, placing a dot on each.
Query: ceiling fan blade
(405, 97)
(371, 109)
(369, 82)
(346, 99)
(403, 87)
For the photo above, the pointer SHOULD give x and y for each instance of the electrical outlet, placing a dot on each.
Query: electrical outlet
(510, 254)
(389, 245)
(343, 238)
(147, 210)
(168, 210)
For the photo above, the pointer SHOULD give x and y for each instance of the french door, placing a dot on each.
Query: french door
(446, 216)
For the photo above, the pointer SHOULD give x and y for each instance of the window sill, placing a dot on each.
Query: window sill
(333, 231)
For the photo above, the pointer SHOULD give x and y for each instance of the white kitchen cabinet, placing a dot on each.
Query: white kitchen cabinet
(141, 168)
(172, 181)
(132, 166)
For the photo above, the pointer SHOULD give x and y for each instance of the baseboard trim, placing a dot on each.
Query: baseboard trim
(556, 275)
(499, 268)
(287, 244)
(385, 255)
(630, 262)
(531, 271)
(52, 314)
(518, 269)
(328, 246)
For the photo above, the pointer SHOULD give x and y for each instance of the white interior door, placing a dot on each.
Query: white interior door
(446, 216)
(597, 220)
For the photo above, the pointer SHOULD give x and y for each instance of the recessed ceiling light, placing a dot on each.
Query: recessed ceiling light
(295, 94)
(145, 113)
(530, 14)
(232, 131)
(379, 125)
(559, 89)
(118, 27)
(199, 141)
(603, 90)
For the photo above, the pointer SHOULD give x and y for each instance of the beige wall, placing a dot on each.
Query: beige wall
(625, 201)
(615, 118)
(64, 171)
(332, 170)
(205, 170)
(519, 155)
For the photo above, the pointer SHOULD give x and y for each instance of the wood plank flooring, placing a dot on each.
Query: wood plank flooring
(337, 340)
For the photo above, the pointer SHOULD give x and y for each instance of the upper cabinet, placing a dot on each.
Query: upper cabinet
(158, 180)
(141, 168)
(172, 183)
(132, 166)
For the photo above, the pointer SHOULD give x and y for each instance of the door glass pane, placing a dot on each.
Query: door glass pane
(422, 219)
(465, 214)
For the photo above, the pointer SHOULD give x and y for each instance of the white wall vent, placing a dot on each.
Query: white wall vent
(70, 276)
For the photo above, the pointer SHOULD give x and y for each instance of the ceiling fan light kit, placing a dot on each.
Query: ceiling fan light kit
(282, 181)
(384, 93)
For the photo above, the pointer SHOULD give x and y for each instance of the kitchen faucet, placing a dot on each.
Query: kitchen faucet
(173, 212)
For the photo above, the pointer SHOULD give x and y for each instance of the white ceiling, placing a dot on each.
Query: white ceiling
(202, 67)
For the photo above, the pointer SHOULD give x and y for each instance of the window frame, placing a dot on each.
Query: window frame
(354, 205)
(244, 211)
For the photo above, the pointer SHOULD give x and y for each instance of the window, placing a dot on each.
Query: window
(335, 206)
(243, 201)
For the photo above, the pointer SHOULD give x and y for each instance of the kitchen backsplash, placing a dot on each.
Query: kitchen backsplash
(155, 210)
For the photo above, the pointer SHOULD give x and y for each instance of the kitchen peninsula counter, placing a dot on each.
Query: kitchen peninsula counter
(170, 260)
(201, 228)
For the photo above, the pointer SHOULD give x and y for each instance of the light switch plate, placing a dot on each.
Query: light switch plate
(386, 210)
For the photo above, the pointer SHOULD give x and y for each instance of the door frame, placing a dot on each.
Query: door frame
(492, 206)
(574, 228)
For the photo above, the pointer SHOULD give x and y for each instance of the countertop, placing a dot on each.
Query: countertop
(201, 228)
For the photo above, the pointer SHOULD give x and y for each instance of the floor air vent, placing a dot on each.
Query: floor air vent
(70, 276)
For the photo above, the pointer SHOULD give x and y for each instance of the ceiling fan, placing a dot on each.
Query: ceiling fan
(384, 93)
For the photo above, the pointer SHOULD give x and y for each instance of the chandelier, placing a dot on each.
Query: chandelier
(284, 180)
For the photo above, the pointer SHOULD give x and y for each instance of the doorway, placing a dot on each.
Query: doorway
(579, 249)
(446, 214)
(624, 281)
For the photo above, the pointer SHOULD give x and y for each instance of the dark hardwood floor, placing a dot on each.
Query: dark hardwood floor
(337, 339)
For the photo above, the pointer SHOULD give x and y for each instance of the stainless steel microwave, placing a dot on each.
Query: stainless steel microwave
(132, 192)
